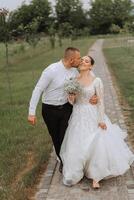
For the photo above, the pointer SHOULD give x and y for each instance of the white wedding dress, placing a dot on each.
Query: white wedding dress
(89, 150)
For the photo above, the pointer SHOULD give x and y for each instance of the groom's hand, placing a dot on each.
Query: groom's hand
(93, 100)
(32, 119)
(102, 125)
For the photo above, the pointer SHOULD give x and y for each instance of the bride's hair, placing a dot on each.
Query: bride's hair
(92, 60)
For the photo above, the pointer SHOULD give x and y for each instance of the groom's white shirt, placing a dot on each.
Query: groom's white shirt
(51, 84)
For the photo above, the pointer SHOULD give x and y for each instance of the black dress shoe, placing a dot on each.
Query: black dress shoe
(60, 167)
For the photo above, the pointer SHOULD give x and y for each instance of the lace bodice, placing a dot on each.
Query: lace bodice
(96, 87)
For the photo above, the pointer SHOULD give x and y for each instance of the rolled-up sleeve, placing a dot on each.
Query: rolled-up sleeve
(42, 84)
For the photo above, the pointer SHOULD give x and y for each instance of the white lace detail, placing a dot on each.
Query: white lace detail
(96, 87)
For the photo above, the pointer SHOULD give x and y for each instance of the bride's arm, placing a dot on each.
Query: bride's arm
(101, 110)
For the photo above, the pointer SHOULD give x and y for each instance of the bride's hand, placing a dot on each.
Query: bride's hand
(102, 125)
(71, 98)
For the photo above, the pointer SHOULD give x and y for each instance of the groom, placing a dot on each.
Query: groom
(56, 110)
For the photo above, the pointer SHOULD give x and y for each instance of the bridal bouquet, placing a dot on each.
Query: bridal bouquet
(72, 86)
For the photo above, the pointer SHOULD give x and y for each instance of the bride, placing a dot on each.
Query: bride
(92, 145)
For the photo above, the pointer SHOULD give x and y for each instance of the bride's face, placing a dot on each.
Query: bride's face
(85, 64)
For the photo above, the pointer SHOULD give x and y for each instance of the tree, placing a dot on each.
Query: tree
(121, 11)
(4, 30)
(39, 10)
(31, 33)
(100, 16)
(70, 14)
(115, 29)
(66, 29)
(5, 37)
(42, 10)
(21, 16)
(104, 13)
(52, 33)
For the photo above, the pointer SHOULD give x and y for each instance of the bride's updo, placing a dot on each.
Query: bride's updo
(92, 60)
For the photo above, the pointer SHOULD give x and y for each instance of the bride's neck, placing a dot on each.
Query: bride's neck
(84, 74)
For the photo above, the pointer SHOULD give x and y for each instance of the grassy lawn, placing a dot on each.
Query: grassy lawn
(120, 58)
(24, 148)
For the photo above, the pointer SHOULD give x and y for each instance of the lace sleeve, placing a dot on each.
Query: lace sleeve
(99, 89)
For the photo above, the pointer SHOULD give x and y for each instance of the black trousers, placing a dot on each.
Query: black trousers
(56, 119)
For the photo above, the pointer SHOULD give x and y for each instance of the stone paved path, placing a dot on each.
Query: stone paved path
(120, 188)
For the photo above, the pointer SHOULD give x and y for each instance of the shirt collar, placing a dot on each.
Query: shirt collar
(61, 63)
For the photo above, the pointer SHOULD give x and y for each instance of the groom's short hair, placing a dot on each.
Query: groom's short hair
(69, 51)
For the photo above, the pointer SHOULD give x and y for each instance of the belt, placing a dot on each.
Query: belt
(55, 106)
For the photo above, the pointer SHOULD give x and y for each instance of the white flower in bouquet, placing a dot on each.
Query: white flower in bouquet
(72, 86)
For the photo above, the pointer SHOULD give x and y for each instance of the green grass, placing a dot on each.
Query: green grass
(22, 146)
(121, 62)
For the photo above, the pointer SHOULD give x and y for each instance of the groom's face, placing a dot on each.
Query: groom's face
(76, 59)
